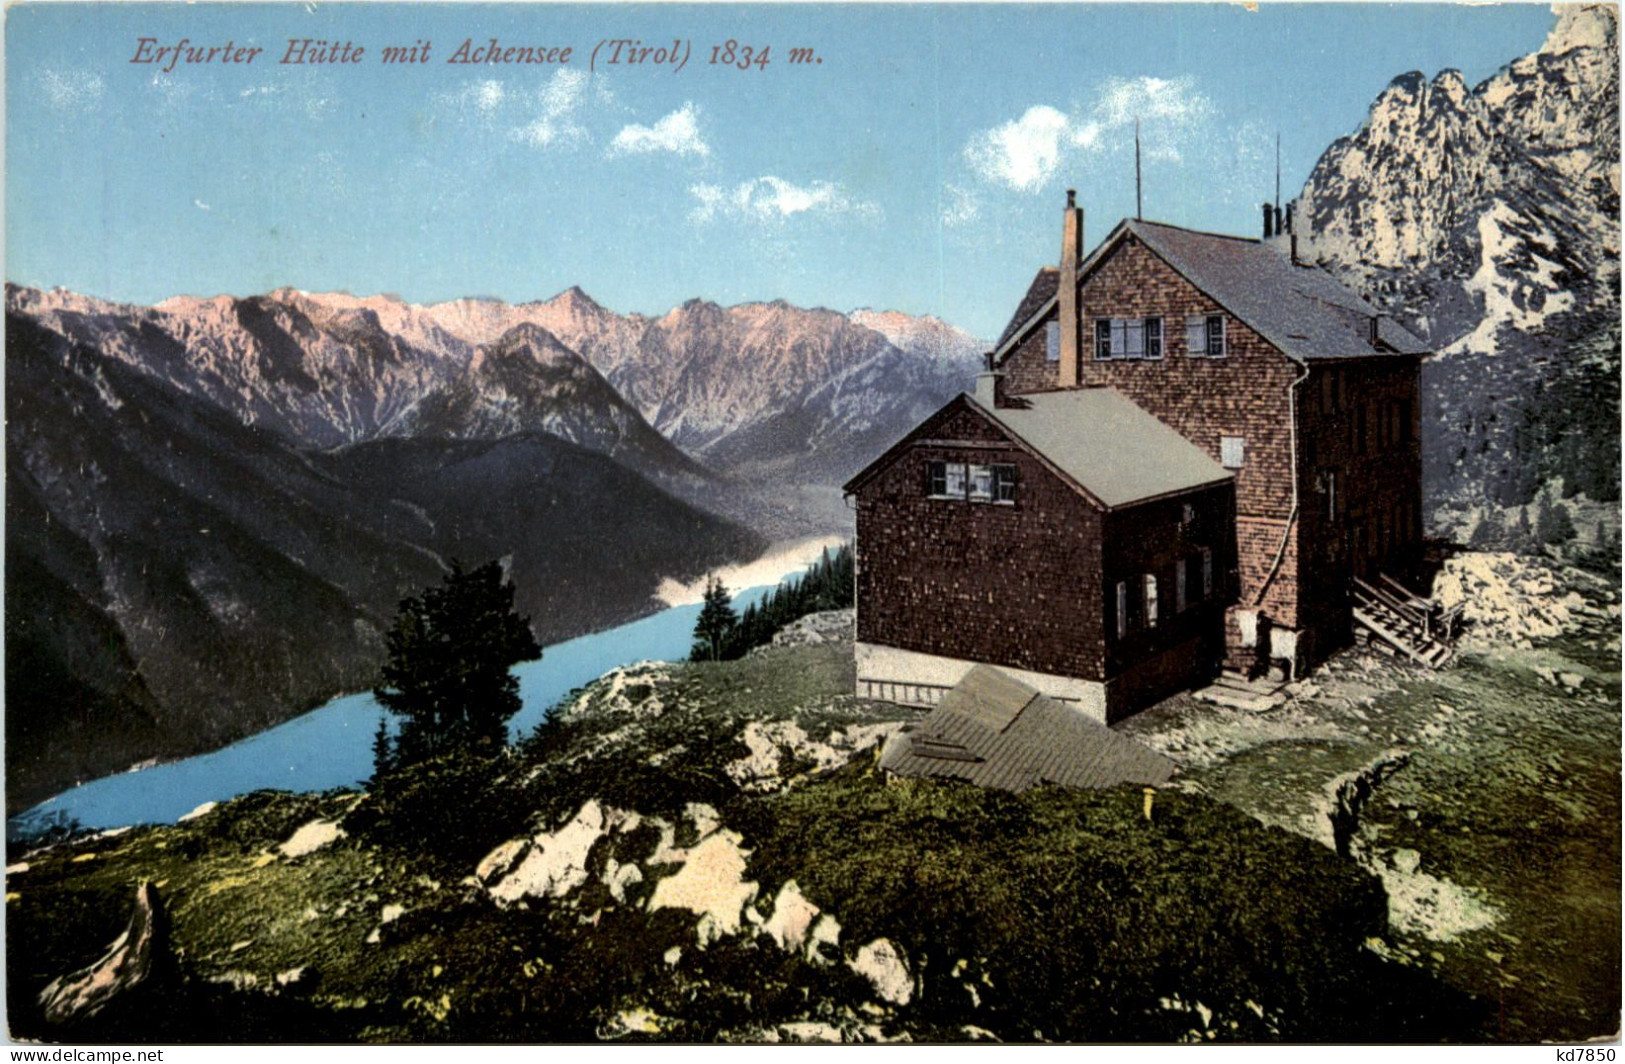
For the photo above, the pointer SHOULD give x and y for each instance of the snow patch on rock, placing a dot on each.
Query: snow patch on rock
(197, 814)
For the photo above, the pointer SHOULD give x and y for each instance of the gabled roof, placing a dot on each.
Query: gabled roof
(1300, 309)
(1039, 295)
(1109, 447)
(996, 731)
(1105, 446)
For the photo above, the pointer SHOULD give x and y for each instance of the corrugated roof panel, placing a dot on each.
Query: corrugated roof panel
(988, 697)
(1044, 740)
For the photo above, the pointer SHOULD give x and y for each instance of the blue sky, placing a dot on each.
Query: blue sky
(921, 165)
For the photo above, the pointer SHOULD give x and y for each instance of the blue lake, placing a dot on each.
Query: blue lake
(332, 746)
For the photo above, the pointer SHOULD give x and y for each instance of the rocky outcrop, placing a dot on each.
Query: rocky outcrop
(1486, 219)
(1506, 601)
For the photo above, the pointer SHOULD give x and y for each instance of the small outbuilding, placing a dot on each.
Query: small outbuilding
(995, 731)
(1068, 537)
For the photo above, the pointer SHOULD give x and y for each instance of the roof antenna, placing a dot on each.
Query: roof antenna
(1277, 169)
(1139, 211)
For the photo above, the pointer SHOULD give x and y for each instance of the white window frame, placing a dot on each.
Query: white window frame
(948, 474)
(1004, 483)
(1110, 352)
(1232, 451)
(1199, 338)
(1148, 589)
(1207, 572)
(1224, 340)
(979, 482)
(1052, 341)
(1126, 339)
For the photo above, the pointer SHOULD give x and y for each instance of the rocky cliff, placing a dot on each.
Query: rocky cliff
(1486, 219)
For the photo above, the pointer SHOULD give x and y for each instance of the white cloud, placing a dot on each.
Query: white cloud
(772, 199)
(678, 133)
(200, 205)
(481, 98)
(72, 90)
(1026, 153)
(960, 205)
(1023, 153)
(1164, 100)
(546, 117)
(555, 118)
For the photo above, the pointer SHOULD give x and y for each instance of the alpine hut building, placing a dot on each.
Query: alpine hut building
(1189, 451)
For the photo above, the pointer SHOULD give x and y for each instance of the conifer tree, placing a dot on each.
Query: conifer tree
(717, 619)
(447, 677)
(383, 750)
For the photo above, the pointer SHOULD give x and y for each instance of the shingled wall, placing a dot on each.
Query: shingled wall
(1011, 585)
(1245, 394)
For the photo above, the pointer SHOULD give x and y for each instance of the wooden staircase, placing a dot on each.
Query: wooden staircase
(1409, 623)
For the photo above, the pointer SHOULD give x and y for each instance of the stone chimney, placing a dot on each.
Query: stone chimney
(1067, 289)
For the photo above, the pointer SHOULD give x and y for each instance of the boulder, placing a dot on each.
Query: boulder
(710, 884)
(792, 918)
(883, 965)
(311, 837)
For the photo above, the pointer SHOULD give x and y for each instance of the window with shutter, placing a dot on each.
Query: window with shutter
(1150, 586)
(1004, 484)
(1052, 341)
(981, 483)
(1232, 451)
(1207, 572)
(1103, 339)
(1153, 338)
(1195, 336)
(1215, 335)
(1134, 338)
(1120, 339)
